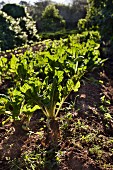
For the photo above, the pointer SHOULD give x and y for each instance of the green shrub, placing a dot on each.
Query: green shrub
(29, 27)
(100, 17)
(11, 34)
(16, 27)
(51, 19)
(82, 24)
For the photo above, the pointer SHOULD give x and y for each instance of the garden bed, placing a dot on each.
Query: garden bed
(85, 139)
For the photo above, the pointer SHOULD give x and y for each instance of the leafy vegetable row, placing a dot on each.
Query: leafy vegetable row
(44, 79)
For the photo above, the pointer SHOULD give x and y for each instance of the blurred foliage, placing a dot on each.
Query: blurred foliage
(24, 19)
(11, 34)
(100, 17)
(57, 35)
(51, 17)
(71, 13)
(29, 27)
(14, 10)
(51, 20)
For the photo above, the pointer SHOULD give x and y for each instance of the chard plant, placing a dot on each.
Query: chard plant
(13, 106)
(45, 79)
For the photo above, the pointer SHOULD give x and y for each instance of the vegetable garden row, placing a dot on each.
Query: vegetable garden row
(43, 79)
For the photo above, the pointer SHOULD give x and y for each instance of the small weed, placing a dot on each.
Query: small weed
(96, 151)
(89, 138)
(79, 125)
(107, 116)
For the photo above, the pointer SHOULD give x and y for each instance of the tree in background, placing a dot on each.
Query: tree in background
(14, 10)
(11, 34)
(71, 13)
(51, 20)
(24, 20)
(37, 9)
(100, 17)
